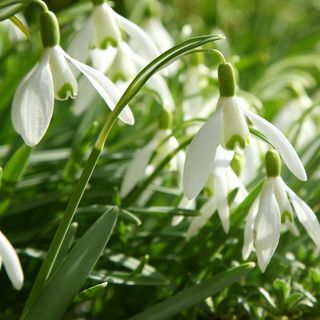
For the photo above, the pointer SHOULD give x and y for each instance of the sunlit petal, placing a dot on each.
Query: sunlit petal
(267, 225)
(280, 142)
(33, 103)
(200, 156)
(104, 87)
(11, 262)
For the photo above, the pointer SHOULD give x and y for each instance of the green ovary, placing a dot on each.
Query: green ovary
(66, 91)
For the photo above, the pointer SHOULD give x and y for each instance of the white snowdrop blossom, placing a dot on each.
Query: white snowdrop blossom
(10, 260)
(124, 68)
(228, 127)
(222, 180)
(276, 204)
(100, 37)
(149, 157)
(51, 79)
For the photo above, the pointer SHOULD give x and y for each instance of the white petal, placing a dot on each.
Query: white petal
(64, 82)
(280, 142)
(79, 46)
(32, 105)
(145, 42)
(137, 169)
(267, 225)
(104, 87)
(281, 195)
(221, 194)
(235, 129)
(200, 156)
(104, 26)
(11, 262)
(306, 216)
(249, 229)
(222, 158)
(206, 211)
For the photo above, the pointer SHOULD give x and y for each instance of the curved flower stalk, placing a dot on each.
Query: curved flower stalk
(11, 262)
(100, 37)
(276, 204)
(228, 127)
(51, 79)
(124, 68)
(148, 158)
(222, 180)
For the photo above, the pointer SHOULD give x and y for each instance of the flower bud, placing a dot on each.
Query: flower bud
(273, 163)
(227, 81)
(165, 119)
(49, 29)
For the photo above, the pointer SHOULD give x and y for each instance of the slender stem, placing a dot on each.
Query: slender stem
(61, 232)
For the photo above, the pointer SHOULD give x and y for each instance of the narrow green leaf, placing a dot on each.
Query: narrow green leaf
(68, 278)
(191, 296)
(19, 24)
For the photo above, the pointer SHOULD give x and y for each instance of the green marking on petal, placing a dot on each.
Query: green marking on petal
(236, 140)
(66, 91)
(108, 41)
(286, 215)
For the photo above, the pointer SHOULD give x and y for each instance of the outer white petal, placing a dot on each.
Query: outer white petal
(206, 211)
(267, 225)
(222, 158)
(221, 194)
(104, 87)
(155, 83)
(144, 41)
(200, 156)
(79, 45)
(137, 169)
(281, 195)
(306, 216)
(249, 229)
(11, 262)
(280, 142)
(32, 105)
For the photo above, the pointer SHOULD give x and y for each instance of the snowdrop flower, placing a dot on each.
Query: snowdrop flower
(11, 262)
(124, 68)
(52, 79)
(228, 127)
(100, 37)
(276, 204)
(143, 164)
(222, 180)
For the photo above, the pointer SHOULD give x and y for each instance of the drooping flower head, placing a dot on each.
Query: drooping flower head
(51, 79)
(277, 204)
(228, 127)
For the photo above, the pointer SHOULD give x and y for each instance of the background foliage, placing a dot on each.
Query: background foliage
(275, 47)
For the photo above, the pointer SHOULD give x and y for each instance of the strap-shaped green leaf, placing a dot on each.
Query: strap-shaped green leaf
(68, 278)
(10, 8)
(191, 296)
